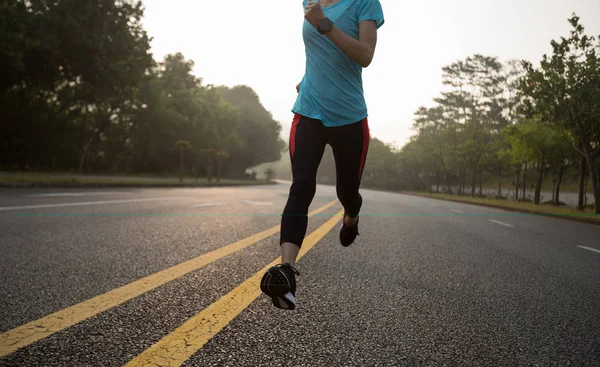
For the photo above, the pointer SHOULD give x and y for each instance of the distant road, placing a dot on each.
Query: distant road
(117, 277)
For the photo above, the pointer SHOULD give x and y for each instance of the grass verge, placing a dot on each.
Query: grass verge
(562, 212)
(16, 180)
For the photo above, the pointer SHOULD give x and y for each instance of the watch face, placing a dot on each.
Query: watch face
(325, 24)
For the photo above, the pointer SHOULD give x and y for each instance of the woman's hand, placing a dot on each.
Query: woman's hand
(314, 13)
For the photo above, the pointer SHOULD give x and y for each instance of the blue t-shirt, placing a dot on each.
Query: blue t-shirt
(332, 88)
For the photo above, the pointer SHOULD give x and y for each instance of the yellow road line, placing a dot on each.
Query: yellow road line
(177, 347)
(34, 331)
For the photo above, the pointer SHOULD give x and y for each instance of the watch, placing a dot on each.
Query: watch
(325, 25)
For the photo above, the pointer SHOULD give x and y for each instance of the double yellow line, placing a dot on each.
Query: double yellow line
(177, 347)
(189, 337)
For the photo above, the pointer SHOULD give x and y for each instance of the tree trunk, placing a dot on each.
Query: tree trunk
(84, 152)
(553, 187)
(181, 164)
(429, 184)
(581, 192)
(517, 179)
(480, 183)
(593, 171)
(585, 187)
(219, 171)
(208, 168)
(117, 164)
(474, 182)
(208, 165)
(84, 144)
(82, 161)
(463, 180)
(538, 186)
(499, 182)
(524, 182)
(437, 178)
(145, 154)
(561, 172)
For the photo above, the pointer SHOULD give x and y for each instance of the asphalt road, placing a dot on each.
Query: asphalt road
(150, 277)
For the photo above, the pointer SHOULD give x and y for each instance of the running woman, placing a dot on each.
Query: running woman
(339, 38)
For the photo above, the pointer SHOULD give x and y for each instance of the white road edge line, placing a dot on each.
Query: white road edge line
(69, 194)
(257, 202)
(208, 204)
(84, 203)
(501, 223)
(457, 211)
(589, 249)
(231, 202)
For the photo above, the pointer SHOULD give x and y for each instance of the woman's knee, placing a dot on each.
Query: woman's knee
(304, 187)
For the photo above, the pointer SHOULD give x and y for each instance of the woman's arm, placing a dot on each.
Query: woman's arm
(361, 50)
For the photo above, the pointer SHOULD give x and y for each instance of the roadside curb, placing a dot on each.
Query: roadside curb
(516, 210)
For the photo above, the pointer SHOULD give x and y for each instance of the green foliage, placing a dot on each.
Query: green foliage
(81, 92)
(565, 91)
(496, 120)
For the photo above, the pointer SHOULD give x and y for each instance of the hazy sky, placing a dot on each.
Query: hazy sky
(259, 43)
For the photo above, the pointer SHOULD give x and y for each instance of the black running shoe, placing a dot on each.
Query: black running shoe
(348, 233)
(279, 283)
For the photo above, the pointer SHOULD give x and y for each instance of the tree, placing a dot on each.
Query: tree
(560, 155)
(566, 90)
(530, 142)
(182, 146)
(71, 71)
(474, 104)
(512, 111)
(257, 129)
(436, 137)
(417, 169)
(221, 155)
(81, 77)
(497, 157)
(581, 188)
(209, 157)
(381, 165)
(270, 174)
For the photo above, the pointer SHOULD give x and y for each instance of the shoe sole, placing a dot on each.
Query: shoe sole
(286, 302)
(281, 299)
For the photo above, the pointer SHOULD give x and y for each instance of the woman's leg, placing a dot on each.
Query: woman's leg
(350, 144)
(307, 145)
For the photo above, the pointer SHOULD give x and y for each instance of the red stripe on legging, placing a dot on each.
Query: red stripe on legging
(293, 133)
(365, 147)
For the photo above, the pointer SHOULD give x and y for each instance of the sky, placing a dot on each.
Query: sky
(259, 44)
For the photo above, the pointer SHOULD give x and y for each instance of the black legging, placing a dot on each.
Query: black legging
(308, 138)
